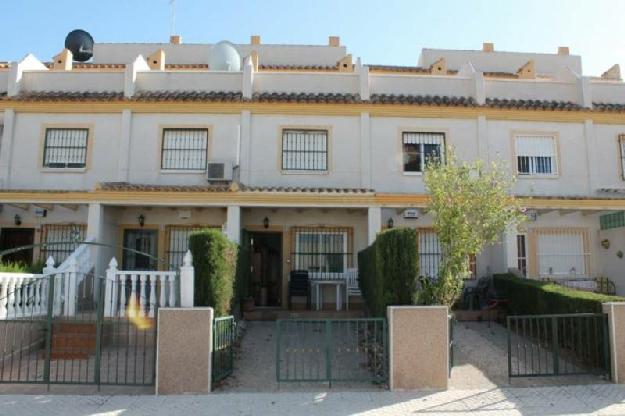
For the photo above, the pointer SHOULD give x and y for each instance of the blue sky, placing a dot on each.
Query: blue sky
(381, 32)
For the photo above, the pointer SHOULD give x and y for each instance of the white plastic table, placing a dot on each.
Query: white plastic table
(316, 286)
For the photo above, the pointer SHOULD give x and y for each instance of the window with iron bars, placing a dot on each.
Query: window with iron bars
(178, 242)
(621, 146)
(305, 150)
(536, 155)
(184, 149)
(419, 148)
(562, 252)
(65, 148)
(322, 250)
(431, 255)
(60, 240)
(521, 254)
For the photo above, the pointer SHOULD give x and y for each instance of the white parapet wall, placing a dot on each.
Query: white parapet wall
(189, 81)
(535, 89)
(611, 92)
(306, 82)
(70, 81)
(420, 85)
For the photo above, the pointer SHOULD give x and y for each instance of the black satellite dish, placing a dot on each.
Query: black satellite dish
(80, 43)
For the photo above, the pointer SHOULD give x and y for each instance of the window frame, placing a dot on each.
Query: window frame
(442, 147)
(555, 171)
(161, 158)
(43, 147)
(308, 129)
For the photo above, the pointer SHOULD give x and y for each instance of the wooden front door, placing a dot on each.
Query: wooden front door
(14, 238)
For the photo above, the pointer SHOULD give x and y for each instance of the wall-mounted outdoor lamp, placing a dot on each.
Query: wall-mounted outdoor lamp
(17, 219)
(390, 223)
(266, 222)
(141, 219)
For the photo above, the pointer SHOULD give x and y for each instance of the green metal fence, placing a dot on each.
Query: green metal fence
(224, 334)
(41, 341)
(332, 350)
(555, 345)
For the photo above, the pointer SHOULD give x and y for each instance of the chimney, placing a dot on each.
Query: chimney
(156, 61)
(563, 50)
(488, 47)
(175, 39)
(63, 60)
(254, 56)
(255, 40)
(334, 41)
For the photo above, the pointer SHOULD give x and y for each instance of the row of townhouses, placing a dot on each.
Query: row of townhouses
(306, 154)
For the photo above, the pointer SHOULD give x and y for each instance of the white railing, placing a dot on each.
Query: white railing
(23, 295)
(138, 293)
(350, 276)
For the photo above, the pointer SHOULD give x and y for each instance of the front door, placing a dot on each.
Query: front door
(17, 237)
(140, 250)
(266, 278)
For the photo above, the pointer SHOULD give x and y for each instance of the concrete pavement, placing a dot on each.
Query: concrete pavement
(602, 399)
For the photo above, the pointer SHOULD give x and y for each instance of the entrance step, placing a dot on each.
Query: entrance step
(262, 314)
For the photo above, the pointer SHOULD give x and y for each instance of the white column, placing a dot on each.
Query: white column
(592, 161)
(365, 150)
(95, 224)
(186, 281)
(233, 223)
(363, 80)
(510, 250)
(124, 147)
(6, 147)
(247, 87)
(374, 223)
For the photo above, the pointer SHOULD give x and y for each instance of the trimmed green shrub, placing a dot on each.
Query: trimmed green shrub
(214, 260)
(534, 297)
(389, 270)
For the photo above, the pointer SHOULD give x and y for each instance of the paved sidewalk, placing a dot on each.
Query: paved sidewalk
(605, 399)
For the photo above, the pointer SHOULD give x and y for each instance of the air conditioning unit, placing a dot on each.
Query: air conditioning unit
(219, 170)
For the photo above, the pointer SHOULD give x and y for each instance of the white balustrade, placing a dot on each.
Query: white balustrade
(20, 295)
(137, 293)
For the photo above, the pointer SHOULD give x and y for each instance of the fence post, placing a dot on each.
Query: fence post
(55, 300)
(555, 345)
(186, 281)
(110, 290)
(616, 329)
(71, 278)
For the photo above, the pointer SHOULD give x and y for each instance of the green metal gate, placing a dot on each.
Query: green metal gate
(54, 335)
(556, 345)
(332, 350)
(224, 333)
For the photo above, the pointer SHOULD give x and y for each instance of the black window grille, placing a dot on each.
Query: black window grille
(178, 243)
(184, 149)
(535, 155)
(305, 150)
(60, 240)
(419, 148)
(65, 148)
(521, 254)
(322, 250)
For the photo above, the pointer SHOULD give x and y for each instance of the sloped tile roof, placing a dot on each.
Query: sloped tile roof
(532, 104)
(305, 97)
(297, 68)
(609, 107)
(70, 96)
(225, 96)
(421, 100)
(223, 187)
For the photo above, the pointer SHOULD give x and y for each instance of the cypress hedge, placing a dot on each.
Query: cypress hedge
(389, 270)
(535, 297)
(214, 260)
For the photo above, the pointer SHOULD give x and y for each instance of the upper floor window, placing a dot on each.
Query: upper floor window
(536, 155)
(305, 150)
(418, 148)
(621, 146)
(184, 149)
(65, 148)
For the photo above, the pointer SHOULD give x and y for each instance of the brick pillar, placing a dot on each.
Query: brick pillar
(184, 349)
(418, 347)
(616, 329)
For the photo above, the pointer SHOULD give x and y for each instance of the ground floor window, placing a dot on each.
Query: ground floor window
(140, 249)
(431, 255)
(521, 250)
(60, 240)
(562, 252)
(178, 243)
(322, 250)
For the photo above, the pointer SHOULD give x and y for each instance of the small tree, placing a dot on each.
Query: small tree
(471, 207)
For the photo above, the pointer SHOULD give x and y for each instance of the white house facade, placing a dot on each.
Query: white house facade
(306, 155)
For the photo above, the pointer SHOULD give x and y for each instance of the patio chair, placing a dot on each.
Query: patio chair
(299, 285)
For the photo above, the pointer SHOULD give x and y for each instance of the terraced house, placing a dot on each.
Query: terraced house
(305, 154)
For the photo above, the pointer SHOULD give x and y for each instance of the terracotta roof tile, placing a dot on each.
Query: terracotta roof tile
(223, 96)
(609, 107)
(304, 97)
(297, 68)
(225, 187)
(70, 96)
(422, 100)
(532, 104)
